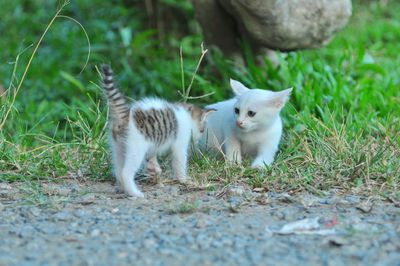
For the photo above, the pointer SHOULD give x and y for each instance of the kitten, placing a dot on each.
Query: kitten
(146, 128)
(247, 125)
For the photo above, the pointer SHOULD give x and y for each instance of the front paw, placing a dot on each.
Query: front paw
(132, 192)
(183, 179)
(259, 165)
(136, 195)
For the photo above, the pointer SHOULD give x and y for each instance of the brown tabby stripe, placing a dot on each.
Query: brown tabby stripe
(118, 105)
(160, 129)
(171, 121)
(156, 125)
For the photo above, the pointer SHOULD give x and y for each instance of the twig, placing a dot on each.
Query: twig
(186, 92)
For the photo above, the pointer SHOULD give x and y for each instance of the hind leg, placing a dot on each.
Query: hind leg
(179, 161)
(118, 162)
(153, 168)
(133, 160)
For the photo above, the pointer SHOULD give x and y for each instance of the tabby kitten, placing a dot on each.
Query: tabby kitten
(146, 128)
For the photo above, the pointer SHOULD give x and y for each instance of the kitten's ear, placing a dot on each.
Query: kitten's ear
(207, 112)
(280, 98)
(238, 88)
(189, 107)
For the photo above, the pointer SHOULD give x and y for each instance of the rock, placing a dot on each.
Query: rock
(352, 199)
(234, 200)
(272, 24)
(284, 197)
(239, 243)
(26, 231)
(365, 207)
(280, 215)
(263, 199)
(5, 187)
(309, 200)
(189, 239)
(36, 212)
(149, 243)
(168, 252)
(234, 204)
(254, 254)
(87, 199)
(50, 229)
(226, 241)
(80, 213)
(62, 216)
(95, 232)
(56, 189)
(201, 222)
(235, 190)
(203, 241)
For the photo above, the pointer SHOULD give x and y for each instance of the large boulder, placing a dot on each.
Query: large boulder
(273, 24)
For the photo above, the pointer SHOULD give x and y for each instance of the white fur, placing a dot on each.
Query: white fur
(259, 136)
(129, 156)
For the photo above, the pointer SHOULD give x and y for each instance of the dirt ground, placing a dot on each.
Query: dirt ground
(89, 223)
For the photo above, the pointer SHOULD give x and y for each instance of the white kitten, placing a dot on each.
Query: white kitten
(247, 125)
(146, 128)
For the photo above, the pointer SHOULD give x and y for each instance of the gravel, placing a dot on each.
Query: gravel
(90, 224)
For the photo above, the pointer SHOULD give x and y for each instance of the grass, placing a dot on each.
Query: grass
(341, 125)
(186, 208)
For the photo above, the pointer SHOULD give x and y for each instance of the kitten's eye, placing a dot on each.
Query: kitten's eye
(237, 110)
(251, 113)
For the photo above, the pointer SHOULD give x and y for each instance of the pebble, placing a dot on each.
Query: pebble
(95, 232)
(26, 231)
(235, 190)
(80, 213)
(168, 252)
(203, 241)
(150, 243)
(35, 211)
(202, 222)
(254, 254)
(62, 216)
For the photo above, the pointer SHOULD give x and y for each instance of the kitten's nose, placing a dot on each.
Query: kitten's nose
(239, 123)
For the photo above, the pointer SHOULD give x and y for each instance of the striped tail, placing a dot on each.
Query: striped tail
(118, 105)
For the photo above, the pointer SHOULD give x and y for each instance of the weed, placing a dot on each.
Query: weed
(184, 208)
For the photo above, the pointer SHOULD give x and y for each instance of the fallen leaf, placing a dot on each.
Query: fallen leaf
(308, 226)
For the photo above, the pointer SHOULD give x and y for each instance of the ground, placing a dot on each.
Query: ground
(88, 223)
